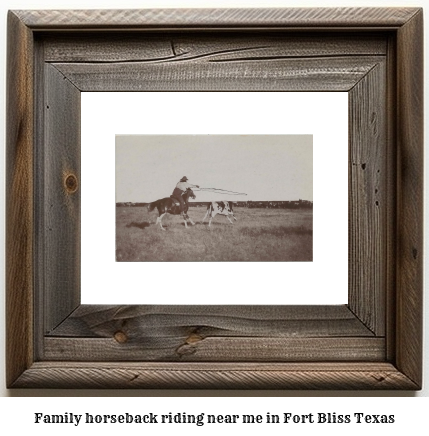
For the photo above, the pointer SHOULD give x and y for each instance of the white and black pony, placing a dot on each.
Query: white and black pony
(172, 206)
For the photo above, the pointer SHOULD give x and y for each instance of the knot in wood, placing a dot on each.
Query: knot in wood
(120, 337)
(193, 338)
(71, 183)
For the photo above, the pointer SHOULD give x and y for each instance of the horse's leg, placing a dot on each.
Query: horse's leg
(159, 219)
(212, 215)
(234, 217)
(184, 220)
(205, 216)
(185, 210)
(188, 218)
(229, 219)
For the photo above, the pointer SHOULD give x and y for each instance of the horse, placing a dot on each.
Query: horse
(221, 208)
(172, 206)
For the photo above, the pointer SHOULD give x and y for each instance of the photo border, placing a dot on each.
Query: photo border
(47, 345)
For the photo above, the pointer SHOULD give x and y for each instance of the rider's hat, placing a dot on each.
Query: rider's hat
(184, 179)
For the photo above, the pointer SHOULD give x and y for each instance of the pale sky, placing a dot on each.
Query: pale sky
(265, 167)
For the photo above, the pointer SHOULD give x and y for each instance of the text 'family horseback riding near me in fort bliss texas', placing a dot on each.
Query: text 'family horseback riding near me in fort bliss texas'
(206, 418)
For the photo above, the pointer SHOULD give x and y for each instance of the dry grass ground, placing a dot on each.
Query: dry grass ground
(257, 235)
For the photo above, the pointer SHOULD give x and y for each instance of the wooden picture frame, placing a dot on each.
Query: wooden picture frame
(373, 342)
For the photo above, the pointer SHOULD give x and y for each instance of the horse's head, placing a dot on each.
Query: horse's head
(189, 193)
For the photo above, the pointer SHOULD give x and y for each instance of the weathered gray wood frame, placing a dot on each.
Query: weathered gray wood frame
(374, 342)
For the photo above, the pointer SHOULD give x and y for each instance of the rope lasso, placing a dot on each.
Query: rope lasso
(223, 191)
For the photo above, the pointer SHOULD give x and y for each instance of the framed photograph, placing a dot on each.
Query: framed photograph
(215, 199)
(276, 171)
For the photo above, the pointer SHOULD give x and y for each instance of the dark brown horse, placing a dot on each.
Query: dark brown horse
(171, 206)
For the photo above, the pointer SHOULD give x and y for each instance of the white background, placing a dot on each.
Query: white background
(17, 412)
(325, 115)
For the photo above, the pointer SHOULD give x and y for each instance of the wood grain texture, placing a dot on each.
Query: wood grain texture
(216, 348)
(98, 321)
(410, 199)
(61, 187)
(368, 202)
(391, 190)
(39, 201)
(230, 18)
(249, 376)
(213, 333)
(170, 46)
(181, 347)
(204, 62)
(19, 200)
(330, 74)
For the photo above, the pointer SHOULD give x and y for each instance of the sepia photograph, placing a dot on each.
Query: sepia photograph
(205, 198)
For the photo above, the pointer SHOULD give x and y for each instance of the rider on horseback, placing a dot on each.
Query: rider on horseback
(180, 188)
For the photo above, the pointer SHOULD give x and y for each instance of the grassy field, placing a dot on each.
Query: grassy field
(257, 235)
